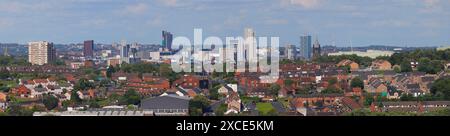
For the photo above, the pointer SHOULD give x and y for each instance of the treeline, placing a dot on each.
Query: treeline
(364, 61)
(430, 61)
(13, 61)
(164, 70)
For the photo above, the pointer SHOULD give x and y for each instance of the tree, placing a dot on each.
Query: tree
(17, 110)
(50, 102)
(405, 66)
(75, 98)
(59, 62)
(220, 111)
(94, 104)
(110, 71)
(332, 81)
(274, 88)
(397, 69)
(198, 105)
(214, 93)
(4, 74)
(331, 90)
(428, 66)
(357, 82)
(288, 82)
(132, 97)
(83, 84)
(441, 88)
(407, 97)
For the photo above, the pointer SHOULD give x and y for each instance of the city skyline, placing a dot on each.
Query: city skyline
(400, 23)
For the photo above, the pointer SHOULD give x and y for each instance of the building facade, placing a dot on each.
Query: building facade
(316, 49)
(306, 47)
(291, 52)
(167, 40)
(41, 53)
(88, 50)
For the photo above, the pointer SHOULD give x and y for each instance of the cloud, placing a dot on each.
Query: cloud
(138, 8)
(307, 4)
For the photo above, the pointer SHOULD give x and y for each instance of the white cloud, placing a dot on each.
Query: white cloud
(307, 4)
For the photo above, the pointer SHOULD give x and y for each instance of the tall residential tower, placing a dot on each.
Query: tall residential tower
(88, 49)
(40, 53)
(306, 47)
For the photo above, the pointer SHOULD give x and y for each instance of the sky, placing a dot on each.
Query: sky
(333, 22)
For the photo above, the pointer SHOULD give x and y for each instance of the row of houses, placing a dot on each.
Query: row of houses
(36, 88)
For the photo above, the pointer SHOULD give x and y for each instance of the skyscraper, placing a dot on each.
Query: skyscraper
(167, 40)
(316, 49)
(88, 50)
(251, 46)
(40, 53)
(124, 51)
(306, 47)
(291, 52)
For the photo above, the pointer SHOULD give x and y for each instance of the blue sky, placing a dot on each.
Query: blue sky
(364, 22)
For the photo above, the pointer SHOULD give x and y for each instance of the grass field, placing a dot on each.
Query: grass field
(264, 107)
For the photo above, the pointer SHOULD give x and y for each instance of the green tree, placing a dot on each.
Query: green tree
(441, 88)
(288, 82)
(274, 88)
(331, 90)
(214, 93)
(4, 74)
(405, 66)
(75, 98)
(357, 82)
(83, 84)
(50, 102)
(221, 110)
(332, 81)
(132, 97)
(428, 66)
(94, 104)
(397, 69)
(198, 105)
(17, 110)
(110, 71)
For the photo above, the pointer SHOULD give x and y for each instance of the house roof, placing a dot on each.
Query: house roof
(375, 82)
(351, 103)
(40, 89)
(428, 79)
(413, 86)
(165, 102)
